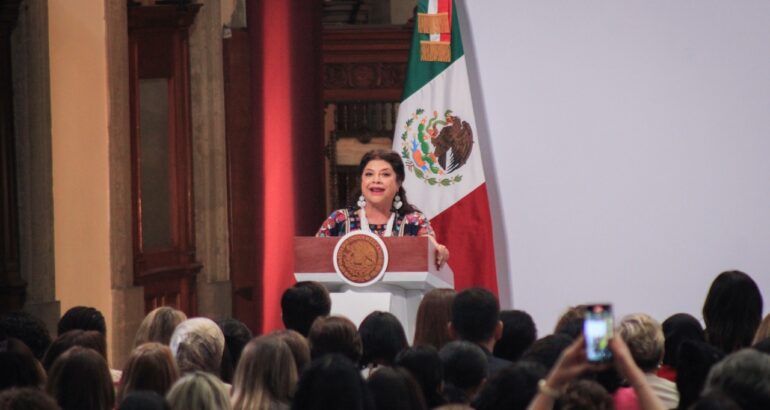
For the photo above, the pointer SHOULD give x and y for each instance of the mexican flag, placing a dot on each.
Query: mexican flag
(438, 140)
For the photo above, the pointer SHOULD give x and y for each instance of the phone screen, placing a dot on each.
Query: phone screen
(597, 328)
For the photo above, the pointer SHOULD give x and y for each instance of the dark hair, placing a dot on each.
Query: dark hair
(732, 311)
(547, 350)
(80, 379)
(743, 376)
(571, 322)
(335, 334)
(150, 367)
(678, 328)
(302, 303)
(84, 338)
(585, 394)
(465, 364)
(394, 159)
(475, 314)
(695, 360)
(19, 366)
(714, 401)
(425, 365)
(27, 328)
(382, 337)
(395, 389)
(237, 334)
(511, 388)
(762, 345)
(26, 398)
(519, 332)
(332, 382)
(143, 400)
(83, 318)
(433, 316)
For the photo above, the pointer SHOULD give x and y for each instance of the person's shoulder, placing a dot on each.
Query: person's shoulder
(340, 215)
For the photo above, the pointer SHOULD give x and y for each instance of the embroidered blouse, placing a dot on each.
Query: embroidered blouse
(342, 221)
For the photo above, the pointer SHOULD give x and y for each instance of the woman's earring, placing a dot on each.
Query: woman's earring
(361, 201)
(397, 202)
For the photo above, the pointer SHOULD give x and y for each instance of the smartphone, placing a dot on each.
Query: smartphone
(597, 329)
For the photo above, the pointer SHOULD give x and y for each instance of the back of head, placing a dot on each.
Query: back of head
(200, 391)
(90, 339)
(547, 350)
(519, 332)
(763, 331)
(150, 368)
(475, 314)
(571, 322)
(695, 360)
(82, 318)
(27, 328)
(300, 348)
(644, 337)
(395, 389)
(237, 334)
(144, 400)
(197, 344)
(762, 346)
(465, 364)
(332, 382)
(302, 303)
(335, 334)
(433, 316)
(676, 329)
(382, 337)
(80, 379)
(425, 365)
(732, 311)
(585, 394)
(511, 388)
(26, 398)
(265, 375)
(19, 366)
(159, 325)
(714, 401)
(744, 377)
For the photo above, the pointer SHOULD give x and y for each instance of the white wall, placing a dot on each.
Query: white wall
(627, 148)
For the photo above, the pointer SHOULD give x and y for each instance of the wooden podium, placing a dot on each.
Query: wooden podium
(411, 272)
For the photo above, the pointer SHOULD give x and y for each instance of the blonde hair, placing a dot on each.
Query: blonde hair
(150, 367)
(265, 376)
(645, 340)
(198, 390)
(763, 331)
(198, 344)
(158, 325)
(300, 348)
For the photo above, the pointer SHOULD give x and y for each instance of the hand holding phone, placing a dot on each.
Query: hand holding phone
(597, 329)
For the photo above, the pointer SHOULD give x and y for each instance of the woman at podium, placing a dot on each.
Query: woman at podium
(382, 207)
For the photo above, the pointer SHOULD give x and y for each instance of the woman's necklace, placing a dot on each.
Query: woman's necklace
(365, 223)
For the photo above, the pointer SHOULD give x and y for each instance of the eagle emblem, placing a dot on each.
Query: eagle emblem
(436, 147)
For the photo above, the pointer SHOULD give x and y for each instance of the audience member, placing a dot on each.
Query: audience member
(571, 322)
(714, 401)
(265, 376)
(693, 365)
(18, 366)
(144, 400)
(744, 377)
(465, 369)
(90, 339)
(677, 329)
(546, 350)
(150, 367)
(236, 336)
(519, 332)
(159, 325)
(200, 391)
(332, 382)
(476, 319)
(732, 311)
(511, 388)
(300, 348)
(644, 337)
(27, 328)
(425, 365)
(82, 318)
(302, 303)
(335, 334)
(762, 346)
(382, 337)
(26, 398)
(394, 388)
(80, 380)
(197, 345)
(433, 316)
(763, 331)
(585, 394)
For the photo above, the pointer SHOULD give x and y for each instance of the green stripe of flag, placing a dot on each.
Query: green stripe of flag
(419, 73)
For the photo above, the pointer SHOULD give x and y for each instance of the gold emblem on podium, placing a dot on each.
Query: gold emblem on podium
(360, 258)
